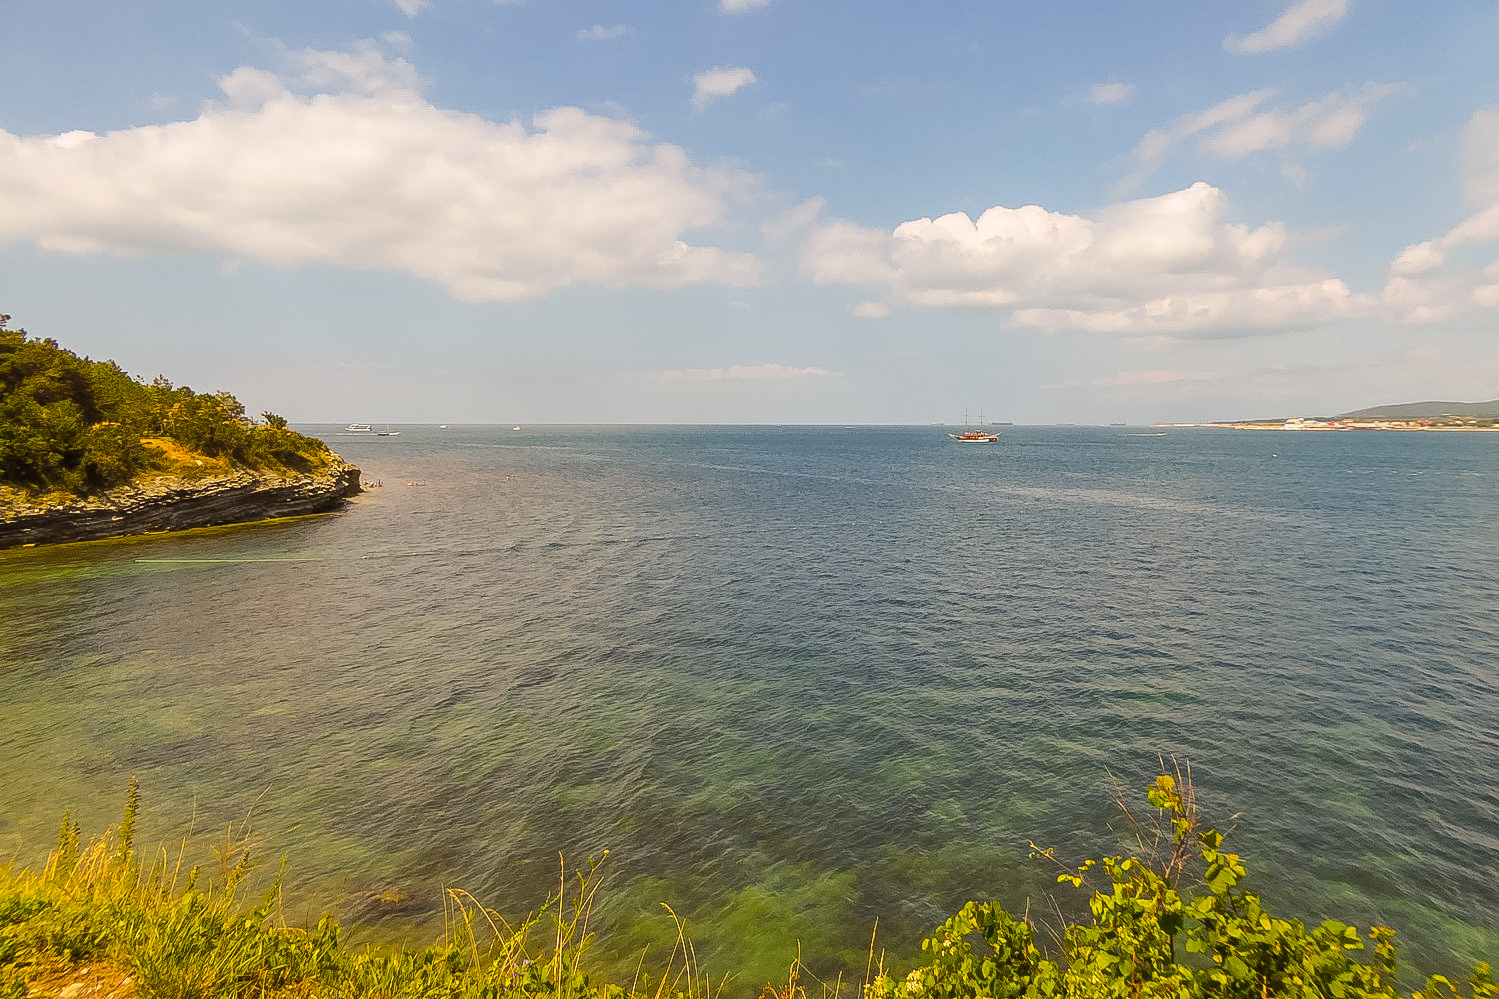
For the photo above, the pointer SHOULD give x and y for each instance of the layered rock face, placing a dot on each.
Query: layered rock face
(171, 504)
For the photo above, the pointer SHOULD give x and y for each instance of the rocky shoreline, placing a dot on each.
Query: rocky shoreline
(166, 503)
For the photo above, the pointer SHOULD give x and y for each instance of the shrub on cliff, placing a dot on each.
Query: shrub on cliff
(1174, 924)
(80, 426)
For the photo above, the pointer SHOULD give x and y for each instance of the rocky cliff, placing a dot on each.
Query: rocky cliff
(166, 503)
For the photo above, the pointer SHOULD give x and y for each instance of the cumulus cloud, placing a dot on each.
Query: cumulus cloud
(1104, 94)
(1170, 265)
(1299, 23)
(341, 161)
(600, 33)
(721, 81)
(1243, 125)
(743, 373)
(741, 6)
(411, 8)
(1428, 281)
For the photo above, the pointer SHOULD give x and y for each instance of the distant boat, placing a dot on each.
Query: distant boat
(974, 436)
(387, 432)
(358, 428)
(515, 428)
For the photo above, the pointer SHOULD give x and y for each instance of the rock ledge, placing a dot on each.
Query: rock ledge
(167, 503)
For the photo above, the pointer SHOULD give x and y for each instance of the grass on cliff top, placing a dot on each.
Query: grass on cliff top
(168, 461)
(1172, 922)
(101, 919)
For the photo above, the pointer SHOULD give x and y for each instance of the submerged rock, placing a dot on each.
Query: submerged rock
(169, 503)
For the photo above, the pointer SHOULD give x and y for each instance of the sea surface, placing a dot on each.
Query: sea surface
(797, 681)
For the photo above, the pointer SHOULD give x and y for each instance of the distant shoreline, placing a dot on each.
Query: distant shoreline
(1332, 426)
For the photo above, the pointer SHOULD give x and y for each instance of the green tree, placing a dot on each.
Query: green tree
(73, 424)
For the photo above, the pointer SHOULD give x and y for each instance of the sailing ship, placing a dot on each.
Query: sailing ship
(974, 436)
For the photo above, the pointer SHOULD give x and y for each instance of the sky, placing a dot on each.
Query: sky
(761, 211)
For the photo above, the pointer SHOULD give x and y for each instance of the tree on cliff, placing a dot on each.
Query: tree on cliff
(71, 424)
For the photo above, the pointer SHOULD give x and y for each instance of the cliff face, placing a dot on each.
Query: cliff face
(171, 504)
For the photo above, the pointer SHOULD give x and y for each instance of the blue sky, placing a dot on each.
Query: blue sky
(761, 211)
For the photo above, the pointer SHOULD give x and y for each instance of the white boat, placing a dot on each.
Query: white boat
(387, 432)
(358, 428)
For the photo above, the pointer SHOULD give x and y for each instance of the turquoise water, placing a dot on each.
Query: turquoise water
(797, 679)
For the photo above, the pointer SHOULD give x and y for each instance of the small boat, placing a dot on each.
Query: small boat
(387, 432)
(979, 436)
(515, 428)
(358, 428)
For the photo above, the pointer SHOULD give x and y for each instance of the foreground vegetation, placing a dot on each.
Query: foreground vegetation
(76, 427)
(1173, 921)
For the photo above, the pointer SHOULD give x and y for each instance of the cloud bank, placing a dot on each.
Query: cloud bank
(1164, 266)
(341, 161)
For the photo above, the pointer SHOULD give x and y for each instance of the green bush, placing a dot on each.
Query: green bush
(1173, 923)
(1156, 935)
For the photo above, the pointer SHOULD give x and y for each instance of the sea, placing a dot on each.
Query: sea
(798, 691)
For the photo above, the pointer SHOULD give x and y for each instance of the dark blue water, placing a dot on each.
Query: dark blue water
(797, 679)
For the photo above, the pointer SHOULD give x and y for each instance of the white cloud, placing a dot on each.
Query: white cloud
(600, 33)
(742, 6)
(362, 172)
(871, 310)
(795, 219)
(1128, 379)
(1487, 295)
(1104, 94)
(1241, 126)
(743, 373)
(411, 8)
(721, 81)
(1300, 23)
(1168, 265)
(1481, 157)
(1430, 280)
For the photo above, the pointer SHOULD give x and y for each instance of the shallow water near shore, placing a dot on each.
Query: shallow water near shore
(796, 679)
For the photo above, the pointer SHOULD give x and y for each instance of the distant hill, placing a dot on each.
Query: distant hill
(1425, 411)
